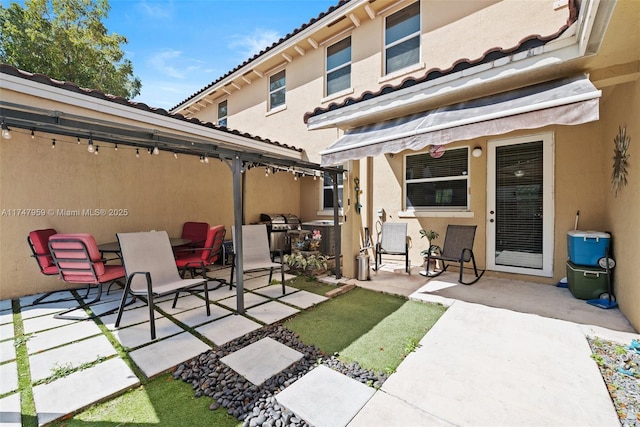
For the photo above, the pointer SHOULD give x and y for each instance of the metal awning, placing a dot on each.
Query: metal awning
(568, 101)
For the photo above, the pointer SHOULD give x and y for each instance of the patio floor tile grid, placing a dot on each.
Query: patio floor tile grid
(183, 332)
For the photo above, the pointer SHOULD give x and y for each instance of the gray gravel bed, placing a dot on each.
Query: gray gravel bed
(620, 368)
(256, 405)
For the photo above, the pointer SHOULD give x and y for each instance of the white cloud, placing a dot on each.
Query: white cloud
(160, 10)
(166, 63)
(248, 45)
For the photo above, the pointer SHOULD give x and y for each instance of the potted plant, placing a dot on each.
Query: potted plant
(431, 236)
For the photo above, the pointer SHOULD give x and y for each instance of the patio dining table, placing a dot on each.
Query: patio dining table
(114, 247)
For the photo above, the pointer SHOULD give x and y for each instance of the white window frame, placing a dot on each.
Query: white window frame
(283, 89)
(337, 68)
(223, 118)
(415, 34)
(329, 210)
(466, 177)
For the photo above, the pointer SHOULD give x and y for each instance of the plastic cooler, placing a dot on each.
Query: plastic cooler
(587, 247)
(586, 282)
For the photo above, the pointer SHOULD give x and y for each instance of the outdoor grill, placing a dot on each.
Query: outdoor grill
(277, 227)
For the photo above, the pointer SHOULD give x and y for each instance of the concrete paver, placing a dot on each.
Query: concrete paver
(303, 299)
(7, 331)
(62, 335)
(325, 398)
(275, 291)
(250, 299)
(228, 328)
(162, 355)
(43, 323)
(81, 389)
(9, 375)
(10, 411)
(271, 312)
(184, 303)
(261, 360)
(7, 351)
(198, 316)
(44, 364)
(137, 335)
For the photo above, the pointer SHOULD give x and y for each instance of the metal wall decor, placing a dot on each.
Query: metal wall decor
(620, 160)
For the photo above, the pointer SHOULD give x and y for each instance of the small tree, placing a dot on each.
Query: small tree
(67, 40)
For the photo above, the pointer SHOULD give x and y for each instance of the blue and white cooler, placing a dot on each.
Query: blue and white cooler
(586, 276)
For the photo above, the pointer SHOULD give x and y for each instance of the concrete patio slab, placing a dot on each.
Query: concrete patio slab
(7, 331)
(5, 304)
(256, 282)
(81, 389)
(6, 317)
(29, 299)
(10, 411)
(160, 356)
(184, 303)
(228, 328)
(43, 323)
(65, 334)
(485, 366)
(325, 398)
(44, 364)
(250, 299)
(7, 351)
(137, 335)
(9, 375)
(198, 316)
(303, 299)
(271, 312)
(261, 360)
(275, 291)
(130, 316)
(386, 410)
(221, 293)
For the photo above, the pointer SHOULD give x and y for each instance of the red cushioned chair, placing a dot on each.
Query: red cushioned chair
(194, 259)
(196, 232)
(78, 260)
(38, 241)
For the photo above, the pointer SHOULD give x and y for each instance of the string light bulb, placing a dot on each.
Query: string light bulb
(53, 143)
(115, 148)
(137, 153)
(156, 150)
(97, 150)
(175, 155)
(206, 159)
(6, 132)
(33, 135)
(78, 140)
(90, 147)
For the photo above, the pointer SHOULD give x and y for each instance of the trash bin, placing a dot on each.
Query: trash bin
(363, 266)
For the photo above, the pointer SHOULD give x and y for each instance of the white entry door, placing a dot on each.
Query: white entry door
(520, 205)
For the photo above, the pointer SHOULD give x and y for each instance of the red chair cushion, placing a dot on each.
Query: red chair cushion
(72, 246)
(40, 241)
(195, 231)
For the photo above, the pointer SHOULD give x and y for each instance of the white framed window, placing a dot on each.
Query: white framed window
(327, 192)
(338, 77)
(402, 39)
(437, 183)
(277, 85)
(222, 113)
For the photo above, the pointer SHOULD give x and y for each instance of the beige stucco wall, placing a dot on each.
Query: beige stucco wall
(622, 108)
(158, 192)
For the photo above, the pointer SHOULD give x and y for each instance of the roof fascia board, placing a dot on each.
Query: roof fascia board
(570, 46)
(87, 102)
(302, 36)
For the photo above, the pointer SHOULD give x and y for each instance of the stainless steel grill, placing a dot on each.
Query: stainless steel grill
(277, 227)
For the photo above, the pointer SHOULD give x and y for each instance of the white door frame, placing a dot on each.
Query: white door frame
(548, 209)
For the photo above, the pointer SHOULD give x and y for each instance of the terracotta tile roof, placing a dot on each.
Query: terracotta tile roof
(41, 78)
(266, 50)
(490, 55)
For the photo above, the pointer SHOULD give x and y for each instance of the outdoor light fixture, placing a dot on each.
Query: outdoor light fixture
(137, 153)
(115, 147)
(477, 152)
(156, 151)
(53, 143)
(33, 135)
(6, 133)
(90, 147)
(175, 155)
(97, 150)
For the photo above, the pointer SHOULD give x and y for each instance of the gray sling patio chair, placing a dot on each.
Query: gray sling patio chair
(457, 248)
(256, 254)
(393, 241)
(151, 271)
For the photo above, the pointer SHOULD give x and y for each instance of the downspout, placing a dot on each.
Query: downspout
(336, 224)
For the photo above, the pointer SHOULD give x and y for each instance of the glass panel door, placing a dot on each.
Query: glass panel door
(518, 231)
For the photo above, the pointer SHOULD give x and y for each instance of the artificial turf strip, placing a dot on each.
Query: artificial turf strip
(384, 346)
(310, 285)
(163, 402)
(335, 324)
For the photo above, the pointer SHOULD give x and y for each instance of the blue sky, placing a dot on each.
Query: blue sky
(179, 46)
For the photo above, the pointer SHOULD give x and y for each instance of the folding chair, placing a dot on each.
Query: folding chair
(194, 259)
(78, 260)
(256, 255)
(457, 248)
(393, 241)
(152, 272)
